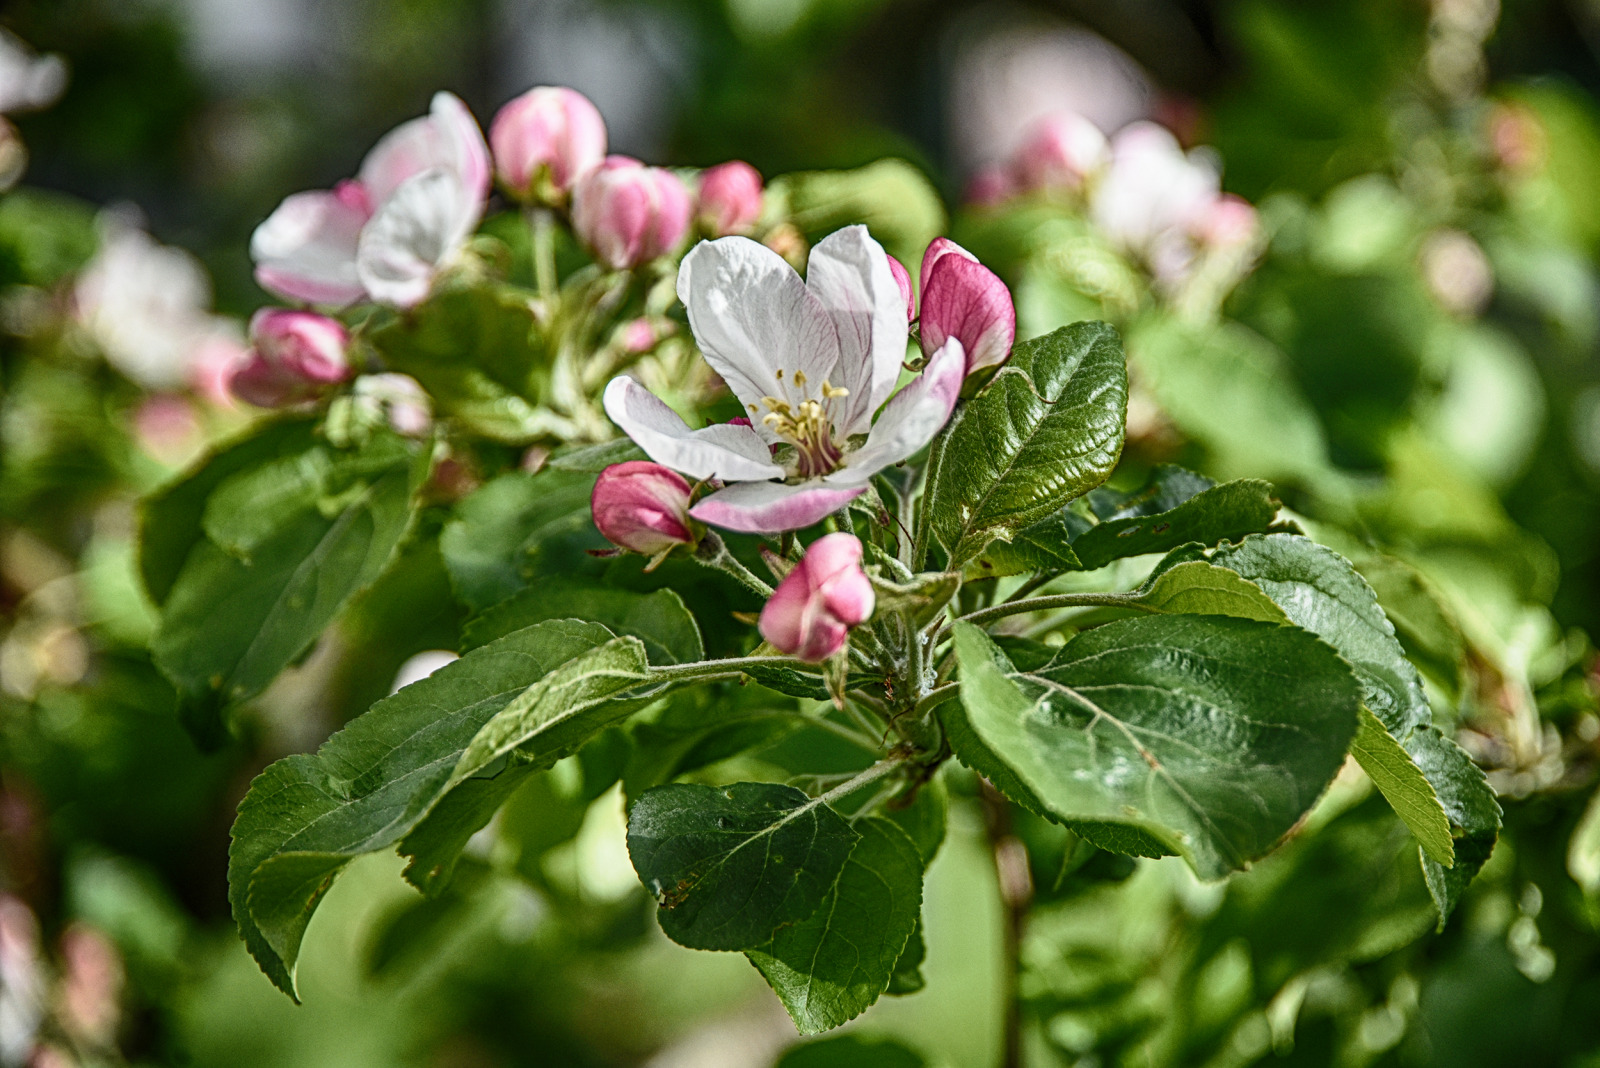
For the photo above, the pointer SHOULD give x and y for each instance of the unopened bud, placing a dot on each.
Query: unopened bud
(730, 199)
(545, 141)
(963, 299)
(811, 612)
(628, 214)
(294, 356)
(642, 507)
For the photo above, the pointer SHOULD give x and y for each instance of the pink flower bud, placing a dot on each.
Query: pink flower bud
(811, 612)
(1229, 222)
(989, 187)
(642, 507)
(294, 356)
(902, 278)
(1060, 153)
(544, 141)
(963, 299)
(730, 198)
(628, 213)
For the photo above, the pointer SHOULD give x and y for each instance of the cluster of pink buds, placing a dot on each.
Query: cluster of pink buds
(811, 612)
(295, 356)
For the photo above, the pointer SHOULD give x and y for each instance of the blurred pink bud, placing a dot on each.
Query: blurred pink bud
(1060, 153)
(989, 187)
(730, 198)
(544, 141)
(963, 299)
(902, 278)
(295, 356)
(1230, 221)
(216, 360)
(638, 335)
(1518, 137)
(629, 214)
(168, 428)
(811, 612)
(642, 507)
(91, 987)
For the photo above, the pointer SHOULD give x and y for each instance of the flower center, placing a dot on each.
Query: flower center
(806, 424)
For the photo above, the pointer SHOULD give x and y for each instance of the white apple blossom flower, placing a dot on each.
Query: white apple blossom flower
(812, 361)
(386, 234)
(28, 81)
(1155, 196)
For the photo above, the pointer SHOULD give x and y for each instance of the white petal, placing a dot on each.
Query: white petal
(771, 507)
(720, 451)
(753, 317)
(911, 419)
(447, 137)
(850, 274)
(413, 234)
(306, 249)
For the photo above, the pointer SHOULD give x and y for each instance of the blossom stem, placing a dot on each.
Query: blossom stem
(1060, 600)
(883, 767)
(936, 696)
(703, 669)
(713, 552)
(544, 253)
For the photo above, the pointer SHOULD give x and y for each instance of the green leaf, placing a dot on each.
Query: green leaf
(924, 596)
(1403, 785)
(1431, 638)
(1213, 735)
(729, 865)
(1158, 518)
(478, 353)
(517, 528)
(908, 977)
(830, 968)
(852, 1051)
(1048, 429)
(1194, 587)
(170, 518)
(659, 619)
(545, 689)
(1043, 546)
(1583, 850)
(1474, 814)
(926, 819)
(242, 610)
(1319, 590)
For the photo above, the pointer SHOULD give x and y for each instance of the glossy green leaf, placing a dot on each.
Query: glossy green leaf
(1474, 814)
(242, 610)
(729, 865)
(545, 689)
(828, 969)
(1403, 785)
(1159, 517)
(1195, 587)
(852, 1051)
(1319, 590)
(1048, 429)
(1213, 735)
(659, 619)
(1042, 546)
(517, 528)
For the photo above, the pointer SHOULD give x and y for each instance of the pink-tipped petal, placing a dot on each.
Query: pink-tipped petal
(910, 419)
(306, 249)
(902, 278)
(415, 234)
(850, 275)
(719, 451)
(772, 507)
(962, 298)
(937, 250)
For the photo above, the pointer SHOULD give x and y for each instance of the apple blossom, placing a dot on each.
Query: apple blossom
(1061, 152)
(811, 612)
(902, 278)
(628, 214)
(147, 306)
(730, 198)
(642, 507)
(544, 141)
(811, 361)
(295, 356)
(386, 234)
(28, 81)
(963, 299)
(1154, 193)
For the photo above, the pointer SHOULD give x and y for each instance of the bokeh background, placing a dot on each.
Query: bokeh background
(1421, 376)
